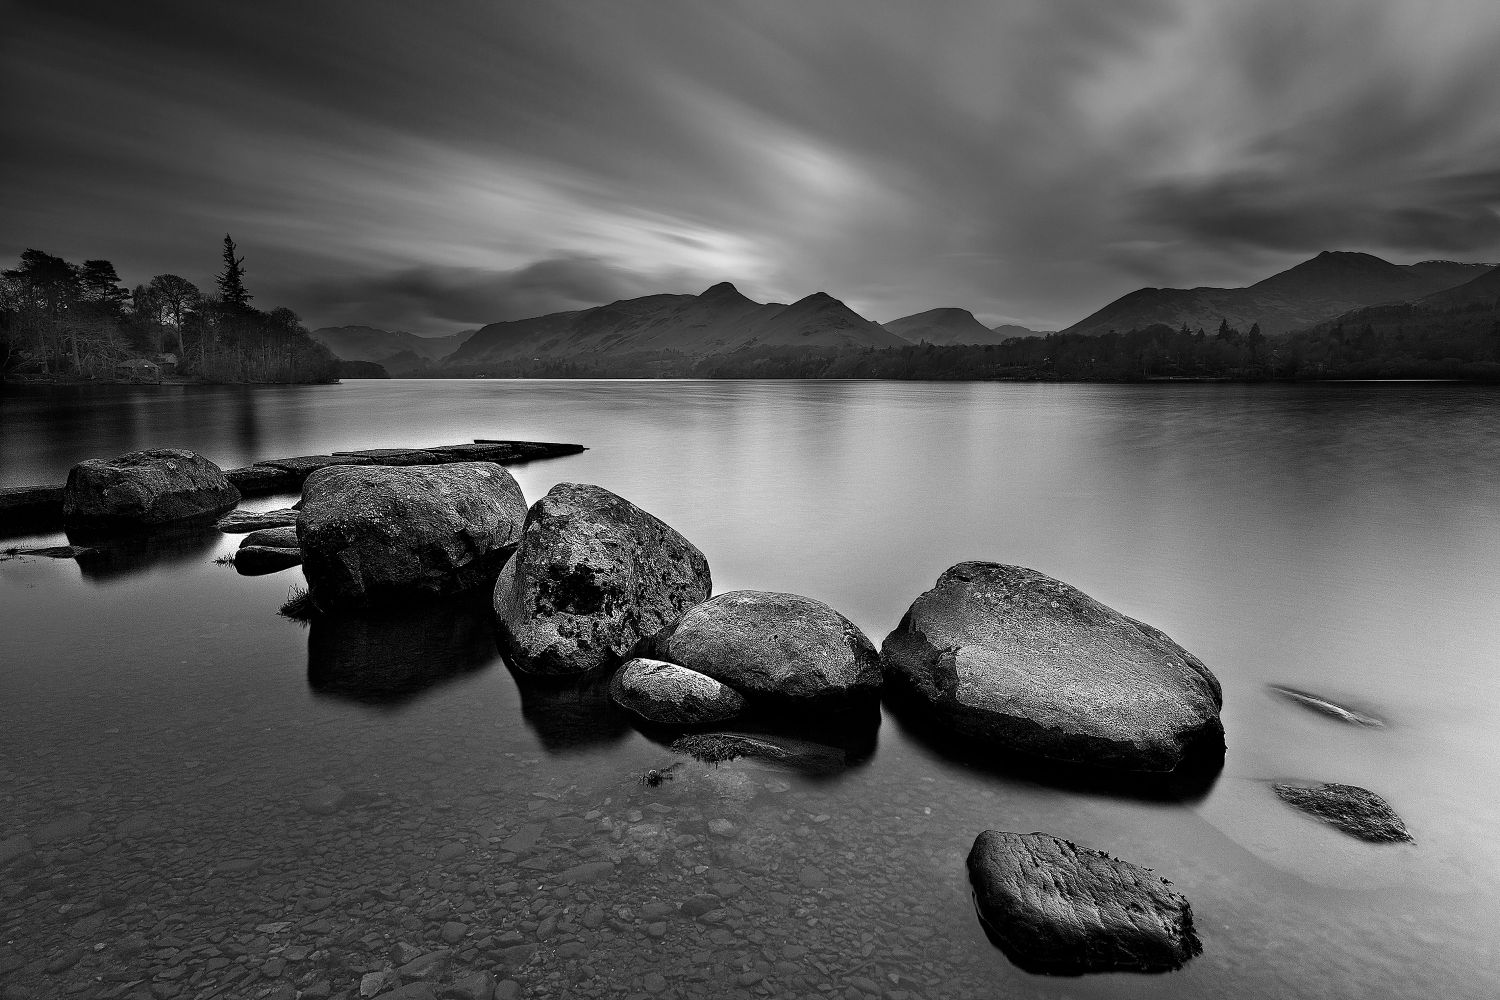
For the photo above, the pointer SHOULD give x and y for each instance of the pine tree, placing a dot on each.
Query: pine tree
(231, 280)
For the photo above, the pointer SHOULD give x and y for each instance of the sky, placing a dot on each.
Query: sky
(437, 166)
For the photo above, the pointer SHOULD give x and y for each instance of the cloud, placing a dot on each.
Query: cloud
(435, 300)
(1026, 159)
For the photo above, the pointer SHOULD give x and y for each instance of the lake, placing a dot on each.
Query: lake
(224, 802)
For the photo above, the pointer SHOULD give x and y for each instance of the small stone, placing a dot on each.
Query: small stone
(63, 961)
(722, 828)
(572, 949)
(474, 986)
(453, 931)
(696, 906)
(324, 801)
(748, 978)
(812, 878)
(654, 982)
(372, 983)
(452, 852)
(429, 966)
(587, 872)
(658, 929)
(507, 989)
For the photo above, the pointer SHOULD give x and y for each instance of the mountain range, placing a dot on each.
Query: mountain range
(722, 321)
(1319, 289)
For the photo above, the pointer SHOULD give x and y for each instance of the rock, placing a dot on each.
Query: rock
(1324, 706)
(696, 906)
(1357, 811)
(412, 991)
(376, 535)
(507, 989)
(69, 826)
(722, 828)
(654, 982)
(432, 965)
(776, 647)
(670, 695)
(325, 801)
(1056, 908)
(372, 983)
(284, 537)
(1023, 662)
(239, 522)
(451, 852)
(258, 560)
(63, 960)
(145, 489)
(589, 871)
(453, 931)
(593, 576)
(474, 986)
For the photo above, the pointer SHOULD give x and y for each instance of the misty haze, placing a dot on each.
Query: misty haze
(749, 499)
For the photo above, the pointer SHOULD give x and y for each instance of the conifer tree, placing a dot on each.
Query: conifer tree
(231, 280)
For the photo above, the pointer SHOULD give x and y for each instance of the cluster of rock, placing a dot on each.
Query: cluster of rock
(586, 584)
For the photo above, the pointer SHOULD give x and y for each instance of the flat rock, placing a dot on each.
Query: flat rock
(1356, 811)
(145, 489)
(238, 522)
(379, 535)
(306, 465)
(775, 647)
(1019, 661)
(668, 694)
(258, 560)
(281, 537)
(262, 480)
(593, 576)
(1056, 908)
(393, 456)
(1326, 706)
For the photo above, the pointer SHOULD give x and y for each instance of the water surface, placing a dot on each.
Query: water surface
(171, 748)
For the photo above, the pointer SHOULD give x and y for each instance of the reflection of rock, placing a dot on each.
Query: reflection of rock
(376, 535)
(1056, 908)
(776, 647)
(671, 695)
(1357, 811)
(1324, 706)
(847, 742)
(258, 560)
(393, 657)
(128, 555)
(594, 574)
(570, 714)
(1019, 661)
(145, 489)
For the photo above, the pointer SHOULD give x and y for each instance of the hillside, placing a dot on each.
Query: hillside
(718, 321)
(395, 350)
(951, 326)
(1482, 291)
(1316, 290)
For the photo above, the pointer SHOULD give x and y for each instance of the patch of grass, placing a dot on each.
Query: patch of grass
(299, 606)
(227, 559)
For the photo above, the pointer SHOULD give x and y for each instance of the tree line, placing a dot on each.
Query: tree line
(60, 319)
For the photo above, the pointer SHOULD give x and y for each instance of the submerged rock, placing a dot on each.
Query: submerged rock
(1324, 706)
(258, 560)
(239, 522)
(1056, 908)
(777, 647)
(668, 694)
(1020, 661)
(593, 576)
(275, 538)
(377, 535)
(1357, 811)
(145, 489)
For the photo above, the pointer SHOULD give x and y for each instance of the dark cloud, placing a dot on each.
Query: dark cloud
(440, 300)
(1026, 159)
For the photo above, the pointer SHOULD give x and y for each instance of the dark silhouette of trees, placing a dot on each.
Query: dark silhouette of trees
(231, 280)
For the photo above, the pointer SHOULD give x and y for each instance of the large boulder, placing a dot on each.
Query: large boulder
(776, 647)
(145, 489)
(377, 535)
(1056, 908)
(1020, 661)
(594, 575)
(667, 694)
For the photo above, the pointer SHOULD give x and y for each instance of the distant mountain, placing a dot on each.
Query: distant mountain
(1483, 290)
(948, 326)
(718, 321)
(1009, 330)
(1329, 284)
(410, 352)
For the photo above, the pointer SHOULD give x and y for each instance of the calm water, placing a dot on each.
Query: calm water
(175, 746)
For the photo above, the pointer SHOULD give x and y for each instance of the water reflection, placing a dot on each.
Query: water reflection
(390, 659)
(819, 749)
(570, 715)
(110, 559)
